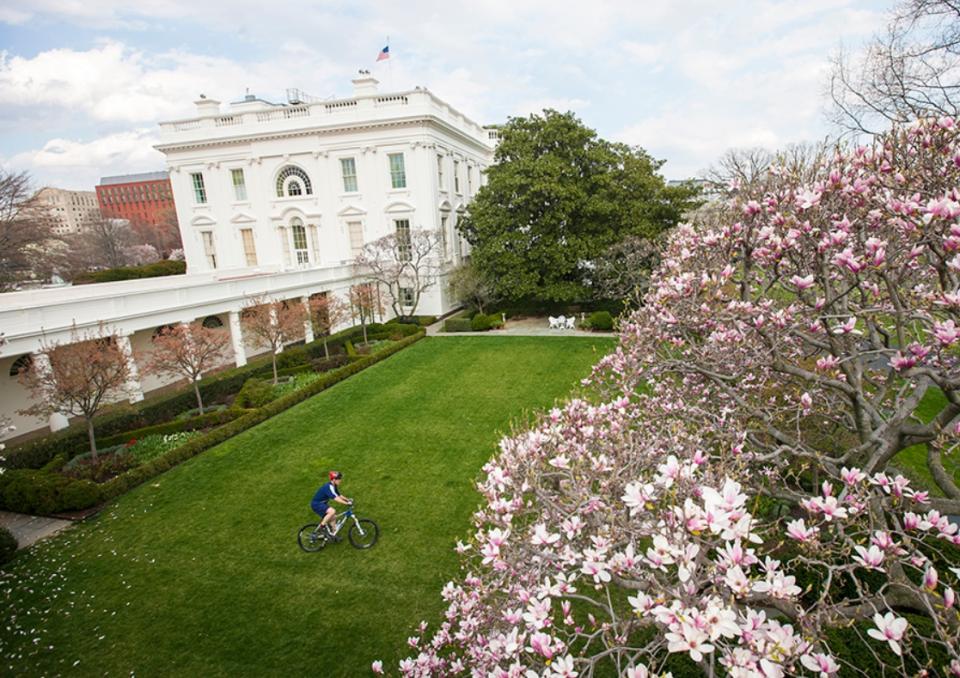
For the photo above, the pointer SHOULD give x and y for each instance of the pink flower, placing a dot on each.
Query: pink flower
(377, 667)
(930, 578)
(946, 333)
(827, 363)
(890, 628)
(803, 283)
(822, 663)
(806, 402)
(871, 559)
(796, 529)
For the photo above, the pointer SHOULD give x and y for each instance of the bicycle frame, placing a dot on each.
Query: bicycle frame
(342, 519)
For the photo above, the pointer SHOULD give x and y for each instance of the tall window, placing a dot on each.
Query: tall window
(398, 175)
(208, 248)
(348, 167)
(404, 248)
(299, 234)
(456, 176)
(249, 247)
(356, 237)
(443, 234)
(293, 181)
(239, 185)
(199, 190)
(440, 170)
(406, 296)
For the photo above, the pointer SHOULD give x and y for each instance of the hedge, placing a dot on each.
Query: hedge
(125, 418)
(457, 325)
(601, 320)
(154, 270)
(206, 420)
(481, 323)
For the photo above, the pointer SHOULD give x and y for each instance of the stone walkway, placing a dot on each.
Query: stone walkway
(30, 529)
(522, 327)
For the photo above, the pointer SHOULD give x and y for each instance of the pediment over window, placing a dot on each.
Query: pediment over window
(202, 220)
(352, 211)
(445, 206)
(398, 207)
(242, 218)
(290, 212)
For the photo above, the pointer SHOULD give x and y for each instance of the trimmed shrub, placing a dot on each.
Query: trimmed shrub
(457, 325)
(425, 320)
(601, 320)
(255, 393)
(327, 364)
(56, 463)
(43, 493)
(154, 270)
(108, 465)
(194, 423)
(480, 323)
(8, 545)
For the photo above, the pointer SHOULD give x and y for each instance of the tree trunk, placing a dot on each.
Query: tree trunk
(326, 352)
(274, 357)
(363, 324)
(93, 439)
(196, 389)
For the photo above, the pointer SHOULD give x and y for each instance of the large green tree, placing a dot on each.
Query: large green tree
(557, 197)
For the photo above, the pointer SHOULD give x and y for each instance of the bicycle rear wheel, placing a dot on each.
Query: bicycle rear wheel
(311, 538)
(363, 533)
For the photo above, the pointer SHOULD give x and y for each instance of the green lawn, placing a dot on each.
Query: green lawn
(198, 572)
(913, 460)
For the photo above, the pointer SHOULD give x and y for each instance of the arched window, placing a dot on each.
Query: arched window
(299, 235)
(292, 181)
(21, 364)
(212, 322)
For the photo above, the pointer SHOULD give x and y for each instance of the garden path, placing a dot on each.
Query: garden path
(30, 529)
(521, 327)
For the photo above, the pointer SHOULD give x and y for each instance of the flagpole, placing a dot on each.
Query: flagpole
(389, 66)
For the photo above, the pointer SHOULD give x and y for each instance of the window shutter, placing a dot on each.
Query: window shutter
(314, 244)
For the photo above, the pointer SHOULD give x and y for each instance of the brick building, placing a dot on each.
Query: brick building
(146, 201)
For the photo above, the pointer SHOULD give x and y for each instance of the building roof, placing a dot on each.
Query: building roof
(133, 178)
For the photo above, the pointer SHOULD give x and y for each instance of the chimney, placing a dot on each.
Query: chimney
(364, 85)
(207, 106)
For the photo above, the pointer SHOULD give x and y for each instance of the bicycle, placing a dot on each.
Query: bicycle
(363, 532)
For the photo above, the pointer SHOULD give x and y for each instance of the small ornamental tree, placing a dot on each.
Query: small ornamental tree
(405, 264)
(731, 501)
(188, 351)
(274, 323)
(364, 303)
(326, 312)
(468, 286)
(82, 376)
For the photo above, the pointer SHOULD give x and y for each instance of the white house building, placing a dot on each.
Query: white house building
(273, 200)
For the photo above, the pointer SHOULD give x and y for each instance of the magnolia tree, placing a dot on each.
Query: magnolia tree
(732, 500)
(405, 264)
(188, 350)
(78, 378)
(328, 311)
(274, 323)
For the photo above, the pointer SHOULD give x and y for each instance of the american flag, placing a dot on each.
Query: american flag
(384, 54)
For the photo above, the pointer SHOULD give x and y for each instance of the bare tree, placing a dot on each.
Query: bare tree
(623, 272)
(274, 323)
(105, 243)
(326, 312)
(468, 286)
(910, 71)
(25, 227)
(404, 263)
(188, 351)
(77, 378)
(364, 303)
(163, 234)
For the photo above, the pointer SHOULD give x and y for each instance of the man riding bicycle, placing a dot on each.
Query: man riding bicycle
(329, 491)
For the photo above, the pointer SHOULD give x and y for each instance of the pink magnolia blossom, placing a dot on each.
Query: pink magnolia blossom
(890, 628)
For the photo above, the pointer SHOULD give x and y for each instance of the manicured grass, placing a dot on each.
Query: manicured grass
(198, 573)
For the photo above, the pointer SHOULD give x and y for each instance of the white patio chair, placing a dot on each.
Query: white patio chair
(554, 322)
(561, 322)
(571, 323)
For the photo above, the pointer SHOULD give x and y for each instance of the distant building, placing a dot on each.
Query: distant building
(70, 211)
(145, 198)
(146, 201)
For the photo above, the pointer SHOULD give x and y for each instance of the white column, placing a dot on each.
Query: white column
(57, 420)
(308, 323)
(133, 380)
(236, 338)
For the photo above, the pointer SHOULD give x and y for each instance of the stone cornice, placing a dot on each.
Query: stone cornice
(313, 131)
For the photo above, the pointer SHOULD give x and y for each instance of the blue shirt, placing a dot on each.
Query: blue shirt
(326, 492)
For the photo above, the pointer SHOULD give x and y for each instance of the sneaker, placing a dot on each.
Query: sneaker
(331, 535)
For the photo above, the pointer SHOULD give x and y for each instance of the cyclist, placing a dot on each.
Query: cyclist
(327, 492)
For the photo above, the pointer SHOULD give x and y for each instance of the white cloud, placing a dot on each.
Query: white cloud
(67, 163)
(556, 103)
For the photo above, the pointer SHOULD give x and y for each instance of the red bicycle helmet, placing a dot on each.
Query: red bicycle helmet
(335, 475)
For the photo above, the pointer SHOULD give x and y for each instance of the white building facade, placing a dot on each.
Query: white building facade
(263, 186)
(274, 201)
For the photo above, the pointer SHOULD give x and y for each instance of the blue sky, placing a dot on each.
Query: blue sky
(84, 82)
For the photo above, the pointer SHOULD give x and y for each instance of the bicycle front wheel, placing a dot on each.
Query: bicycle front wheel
(363, 533)
(311, 538)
